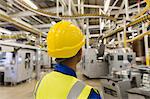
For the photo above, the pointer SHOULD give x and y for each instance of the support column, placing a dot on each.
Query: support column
(100, 21)
(147, 56)
(126, 9)
(38, 63)
(82, 12)
(138, 6)
(57, 7)
(79, 6)
(124, 35)
(69, 8)
(119, 40)
(63, 10)
(87, 33)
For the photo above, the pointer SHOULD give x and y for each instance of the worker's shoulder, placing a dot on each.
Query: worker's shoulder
(95, 90)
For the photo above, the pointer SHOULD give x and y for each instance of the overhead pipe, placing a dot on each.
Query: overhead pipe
(144, 10)
(139, 20)
(20, 25)
(16, 36)
(107, 34)
(140, 36)
(53, 15)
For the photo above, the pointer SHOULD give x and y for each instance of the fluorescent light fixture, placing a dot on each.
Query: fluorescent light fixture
(106, 5)
(31, 4)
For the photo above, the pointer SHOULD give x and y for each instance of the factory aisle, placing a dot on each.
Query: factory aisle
(20, 91)
(25, 90)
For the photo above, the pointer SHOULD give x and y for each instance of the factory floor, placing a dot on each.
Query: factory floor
(25, 90)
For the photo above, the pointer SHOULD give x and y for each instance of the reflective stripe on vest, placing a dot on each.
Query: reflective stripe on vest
(60, 86)
(76, 90)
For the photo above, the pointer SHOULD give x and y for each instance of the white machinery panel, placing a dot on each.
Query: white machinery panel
(91, 66)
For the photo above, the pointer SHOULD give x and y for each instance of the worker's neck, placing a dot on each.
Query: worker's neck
(72, 65)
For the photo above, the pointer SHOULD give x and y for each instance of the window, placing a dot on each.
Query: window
(120, 57)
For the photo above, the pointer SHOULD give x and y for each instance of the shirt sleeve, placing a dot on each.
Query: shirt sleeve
(94, 94)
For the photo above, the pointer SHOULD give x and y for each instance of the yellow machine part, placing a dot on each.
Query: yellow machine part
(145, 9)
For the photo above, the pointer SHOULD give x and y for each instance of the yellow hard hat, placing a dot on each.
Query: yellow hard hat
(64, 40)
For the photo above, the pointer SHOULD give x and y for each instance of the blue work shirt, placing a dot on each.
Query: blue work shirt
(69, 71)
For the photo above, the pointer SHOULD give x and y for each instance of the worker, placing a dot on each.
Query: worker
(64, 42)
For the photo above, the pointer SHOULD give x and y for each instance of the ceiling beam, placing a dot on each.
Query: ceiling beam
(134, 5)
(19, 23)
(3, 23)
(6, 31)
(96, 6)
(43, 26)
(120, 9)
(44, 30)
(35, 18)
(29, 13)
(123, 11)
(110, 9)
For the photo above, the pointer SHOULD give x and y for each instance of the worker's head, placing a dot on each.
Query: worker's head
(65, 41)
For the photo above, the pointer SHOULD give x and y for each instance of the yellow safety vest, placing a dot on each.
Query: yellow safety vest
(56, 85)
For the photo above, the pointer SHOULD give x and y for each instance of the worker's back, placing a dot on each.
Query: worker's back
(56, 85)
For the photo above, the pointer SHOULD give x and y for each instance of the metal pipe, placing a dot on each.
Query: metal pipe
(144, 28)
(145, 9)
(146, 50)
(87, 33)
(138, 37)
(126, 9)
(100, 21)
(119, 40)
(135, 38)
(53, 15)
(144, 18)
(57, 7)
(25, 27)
(79, 1)
(124, 34)
(82, 11)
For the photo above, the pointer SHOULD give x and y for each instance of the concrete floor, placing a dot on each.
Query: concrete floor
(25, 90)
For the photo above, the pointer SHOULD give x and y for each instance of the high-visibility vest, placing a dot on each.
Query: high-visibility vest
(56, 85)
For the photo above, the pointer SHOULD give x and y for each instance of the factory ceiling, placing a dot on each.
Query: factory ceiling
(41, 23)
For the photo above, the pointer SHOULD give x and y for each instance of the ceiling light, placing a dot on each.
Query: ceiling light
(106, 5)
(31, 4)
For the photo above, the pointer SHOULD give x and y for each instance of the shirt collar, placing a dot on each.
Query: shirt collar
(65, 70)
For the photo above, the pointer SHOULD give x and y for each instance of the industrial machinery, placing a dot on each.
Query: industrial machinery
(16, 65)
(45, 59)
(115, 87)
(142, 92)
(94, 66)
(121, 76)
(120, 60)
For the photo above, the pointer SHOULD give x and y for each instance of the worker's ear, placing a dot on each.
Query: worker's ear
(79, 55)
(80, 52)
